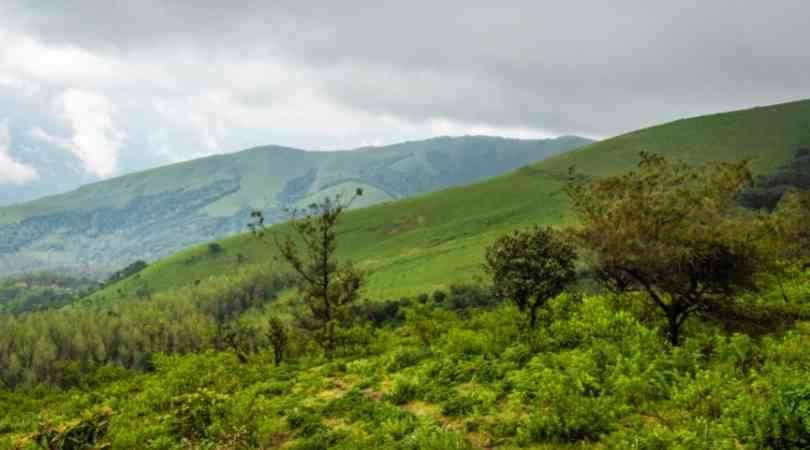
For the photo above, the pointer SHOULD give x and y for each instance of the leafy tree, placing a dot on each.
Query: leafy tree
(793, 226)
(672, 231)
(277, 335)
(326, 288)
(768, 190)
(530, 267)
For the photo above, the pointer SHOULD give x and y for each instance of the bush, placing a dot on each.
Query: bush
(404, 391)
(461, 405)
(406, 357)
(85, 432)
(465, 296)
(783, 422)
(195, 412)
(439, 296)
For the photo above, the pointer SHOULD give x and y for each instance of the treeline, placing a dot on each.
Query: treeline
(40, 291)
(767, 190)
(59, 346)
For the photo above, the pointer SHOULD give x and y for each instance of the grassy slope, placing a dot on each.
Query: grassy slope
(423, 243)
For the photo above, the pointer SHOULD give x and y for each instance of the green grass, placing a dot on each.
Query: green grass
(427, 242)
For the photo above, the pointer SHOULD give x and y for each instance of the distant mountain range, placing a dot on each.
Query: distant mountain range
(103, 226)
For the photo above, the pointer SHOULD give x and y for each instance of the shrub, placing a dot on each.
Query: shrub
(439, 296)
(460, 405)
(406, 357)
(195, 412)
(404, 390)
(782, 422)
(85, 432)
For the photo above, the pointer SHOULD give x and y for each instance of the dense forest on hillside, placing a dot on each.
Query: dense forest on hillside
(665, 316)
(41, 291)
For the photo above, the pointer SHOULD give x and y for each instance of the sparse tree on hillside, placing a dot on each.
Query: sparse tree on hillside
(672, 231)
(326, 288)
(530, 267)
(277, 335)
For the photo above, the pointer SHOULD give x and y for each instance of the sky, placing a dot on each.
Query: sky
(95, 89)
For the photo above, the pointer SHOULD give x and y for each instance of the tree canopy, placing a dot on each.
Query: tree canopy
(672, 231)
(530, 267)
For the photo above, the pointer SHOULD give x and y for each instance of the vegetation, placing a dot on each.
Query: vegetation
(326, 288)
(152, 214)
(673, 232)
(769, 189)
(41, 291)
(289, 357)
(531, 267)
(596, 375)
(425, 243)
(59, 346)
(127, 271)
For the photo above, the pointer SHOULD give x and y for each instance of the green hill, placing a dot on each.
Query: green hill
(427, 242)
(104, 226)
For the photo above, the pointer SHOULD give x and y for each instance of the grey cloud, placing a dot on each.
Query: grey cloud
(596, 68)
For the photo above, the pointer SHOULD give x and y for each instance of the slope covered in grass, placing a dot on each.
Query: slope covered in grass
(149, 215)
(427, 242)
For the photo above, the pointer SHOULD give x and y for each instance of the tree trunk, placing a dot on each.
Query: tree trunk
(674, 330)
(533, 318)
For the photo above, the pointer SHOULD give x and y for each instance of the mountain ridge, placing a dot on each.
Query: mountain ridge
(104, 225)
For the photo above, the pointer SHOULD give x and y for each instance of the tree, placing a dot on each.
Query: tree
(530, 267)
(277, 335)
(792, 225)
(326, 288)
(673, 232)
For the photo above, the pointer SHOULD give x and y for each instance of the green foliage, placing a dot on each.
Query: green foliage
(132, 269)
(164, 210)
(780, 422)
(58, 345)
(84, 433)
(531, 267)
(279, 339)
(327, 289)
(41, 291)
(428, 242)
(594, 376)
(195, 412)
(769, 189)
(215, 248)
(673, 232)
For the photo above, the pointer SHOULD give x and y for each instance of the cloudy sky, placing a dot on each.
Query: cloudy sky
(93, 89)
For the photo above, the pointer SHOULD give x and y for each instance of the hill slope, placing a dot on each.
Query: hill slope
(423, 243)
(104, 226)
(426, 242)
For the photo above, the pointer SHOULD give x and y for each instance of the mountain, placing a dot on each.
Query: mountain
(106, 225)
(424, 243)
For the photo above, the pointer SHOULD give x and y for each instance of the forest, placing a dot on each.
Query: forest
(672, 312)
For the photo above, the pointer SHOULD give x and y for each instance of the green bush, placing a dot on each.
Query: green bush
(404, 390)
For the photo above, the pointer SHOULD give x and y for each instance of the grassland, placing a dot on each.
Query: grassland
(427, 242)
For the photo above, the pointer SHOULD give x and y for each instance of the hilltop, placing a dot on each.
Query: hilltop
(424, 243)
(107, 225)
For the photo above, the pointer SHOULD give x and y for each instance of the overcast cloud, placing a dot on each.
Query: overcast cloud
(120, 85)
